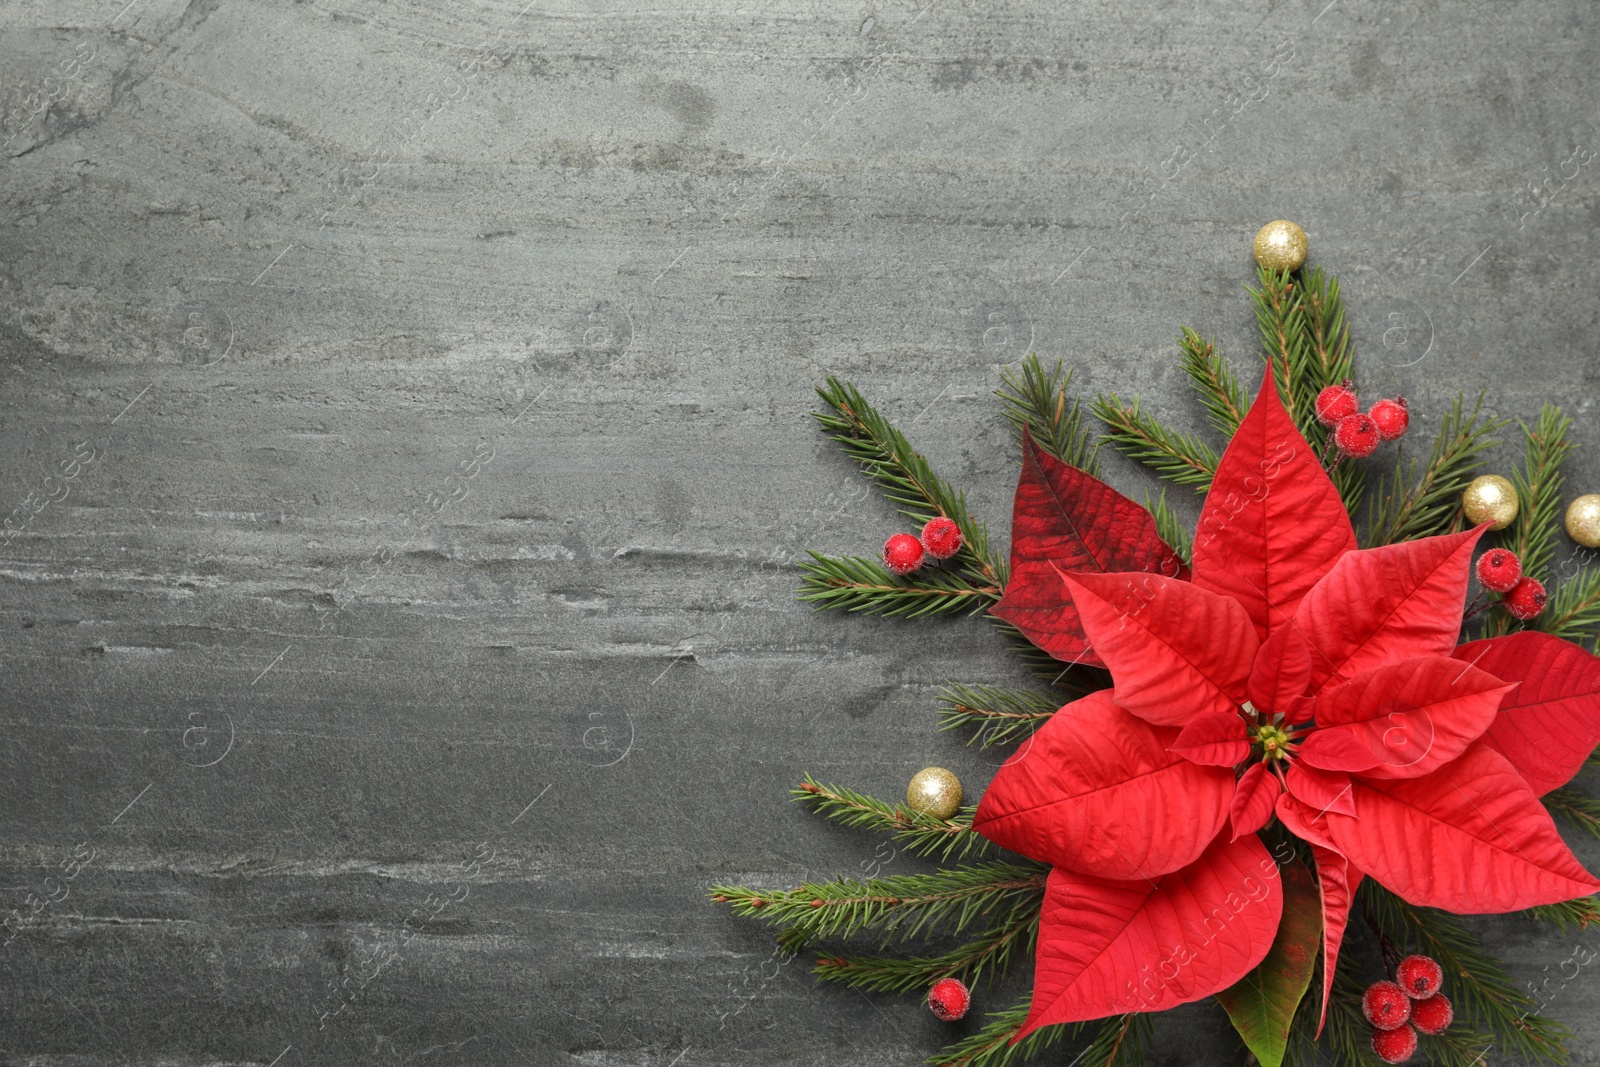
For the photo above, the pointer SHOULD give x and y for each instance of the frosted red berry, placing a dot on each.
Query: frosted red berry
(1357, 435)
(941, 537)
(949, 999)
(902, 554)
(1386, 1005)
(1499, 570)
(1419, 976)
(1394, 1046)
(1434, 1015)
(1391, 418)
(1335, 403)
(1526, 599)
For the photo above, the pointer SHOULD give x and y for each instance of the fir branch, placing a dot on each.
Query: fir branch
(1408, 506)
(1481, 989)
(1533, 533)
(1225, 401)
(1574, 808)
(1574, 608)
(858, 583)
(1170, 527)
(997, 716)
(1119, 1041)
(986, 955)
(1280, 319)
(1178, 457)
(920, 833)
(1327, 335)
(1037, 399)
(906, 906)
(991, 1046)
(1582, 912)
(1075, 680)
(904, 475)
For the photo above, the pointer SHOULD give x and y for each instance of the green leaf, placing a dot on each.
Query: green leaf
(1263, 1002)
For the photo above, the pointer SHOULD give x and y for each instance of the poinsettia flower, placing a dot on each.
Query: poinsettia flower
(1298, 676)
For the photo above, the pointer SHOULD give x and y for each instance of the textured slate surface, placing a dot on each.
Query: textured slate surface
(414, 638)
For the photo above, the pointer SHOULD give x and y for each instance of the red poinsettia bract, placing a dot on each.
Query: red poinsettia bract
(1294, 675)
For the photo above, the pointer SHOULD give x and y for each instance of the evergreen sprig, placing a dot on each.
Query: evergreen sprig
(996, 716)
(1280, 320)
(919, 832)
(903, 906)
(1577, 809)
(1533, 533)
(1581, 912)
(1479, 986)
(1224, 399)
(1119, 1041)
(1037, 399)
(987, 955)
(1409, 506)
(1171, 528)
(857, 583)
(1327, 336)
(905, 477)
(1573, 611)
(1178, 457)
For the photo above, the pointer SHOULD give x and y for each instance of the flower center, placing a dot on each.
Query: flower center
(1274, 741)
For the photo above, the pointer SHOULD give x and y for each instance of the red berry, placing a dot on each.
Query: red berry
(1526, 599)
(1394, 1046)
(902, 554)
(1357, 435)
(1499, 569)
(1419, 976)
(1336, 402)
(941, 537)
(1386, 1005)
(1434, 1015)
(949, 999)
(1392, 418)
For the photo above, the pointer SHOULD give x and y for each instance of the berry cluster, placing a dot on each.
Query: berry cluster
(1356, 433)
(1412, 1002)
(1500, 571)
(941, 539)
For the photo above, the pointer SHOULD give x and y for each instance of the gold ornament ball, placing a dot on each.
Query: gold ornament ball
(1492, 499)
(1583, 520)
(1281, 245)
(934, 791)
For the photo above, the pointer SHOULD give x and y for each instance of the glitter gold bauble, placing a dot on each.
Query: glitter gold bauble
(1492, 499)
(934, 791)
(1583, 520)
(1281, 245)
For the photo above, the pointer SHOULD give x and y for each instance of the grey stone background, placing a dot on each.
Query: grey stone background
(406, 447)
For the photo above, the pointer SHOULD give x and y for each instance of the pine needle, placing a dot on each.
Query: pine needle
(986, 956)
(1037, 399)
(919, 832)
(903, 906)
(857, 583)
(1177, 457)
(1574, 808)
(905, 477)
(1171, 528)
(1533, 534)
(1573, 611)
(1409, 506)
(996, 716)
(1225, 401)
(1119, 1041)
